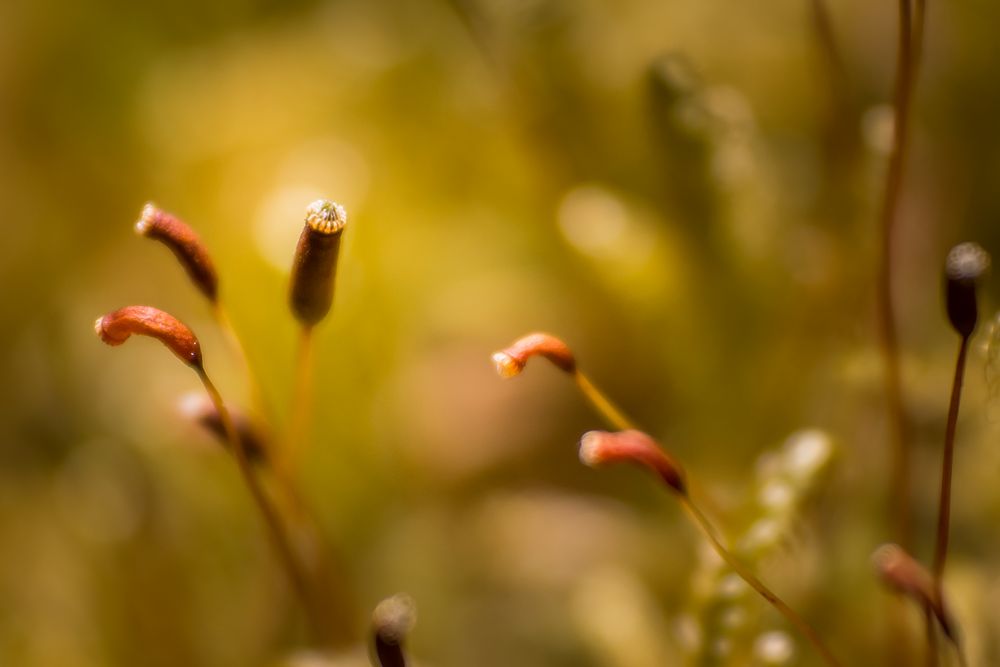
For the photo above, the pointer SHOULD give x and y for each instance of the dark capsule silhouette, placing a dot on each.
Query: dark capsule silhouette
(900, 572)
(200, 410)
(964, 269)
(392, 621)
(314, 267)
(186, 246)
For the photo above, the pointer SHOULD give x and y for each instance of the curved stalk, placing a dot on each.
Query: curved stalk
(944, 504)
(708, 530)
(909, 43)
(616, 418)
(601, 403)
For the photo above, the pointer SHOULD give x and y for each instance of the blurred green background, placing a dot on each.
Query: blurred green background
(685, 191)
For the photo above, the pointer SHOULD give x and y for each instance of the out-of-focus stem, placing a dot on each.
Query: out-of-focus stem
(235, 342)
(275, 528)
(833, 63)
(708, 530)
(823, 28)
(323, 563)
(298, 516)
(919, 19)
(839, 117)
(302, 398)
(888, 338)
(908, 46)
(930, 627)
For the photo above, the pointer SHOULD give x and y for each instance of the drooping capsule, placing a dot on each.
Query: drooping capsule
(511, 360)
(185, 244)
(599, 448)
(115, 328)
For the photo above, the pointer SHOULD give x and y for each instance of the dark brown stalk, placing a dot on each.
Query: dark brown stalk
(965, 266)
(899, 487)
(944, 505)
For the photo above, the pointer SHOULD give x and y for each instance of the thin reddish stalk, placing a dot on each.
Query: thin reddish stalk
(944, 505)
(807, 631)
(601, 403)
(275, 528)
(887, 334)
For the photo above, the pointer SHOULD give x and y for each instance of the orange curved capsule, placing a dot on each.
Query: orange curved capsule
(511, 360)
(186, 246)
(599, 448)
(116, 328)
